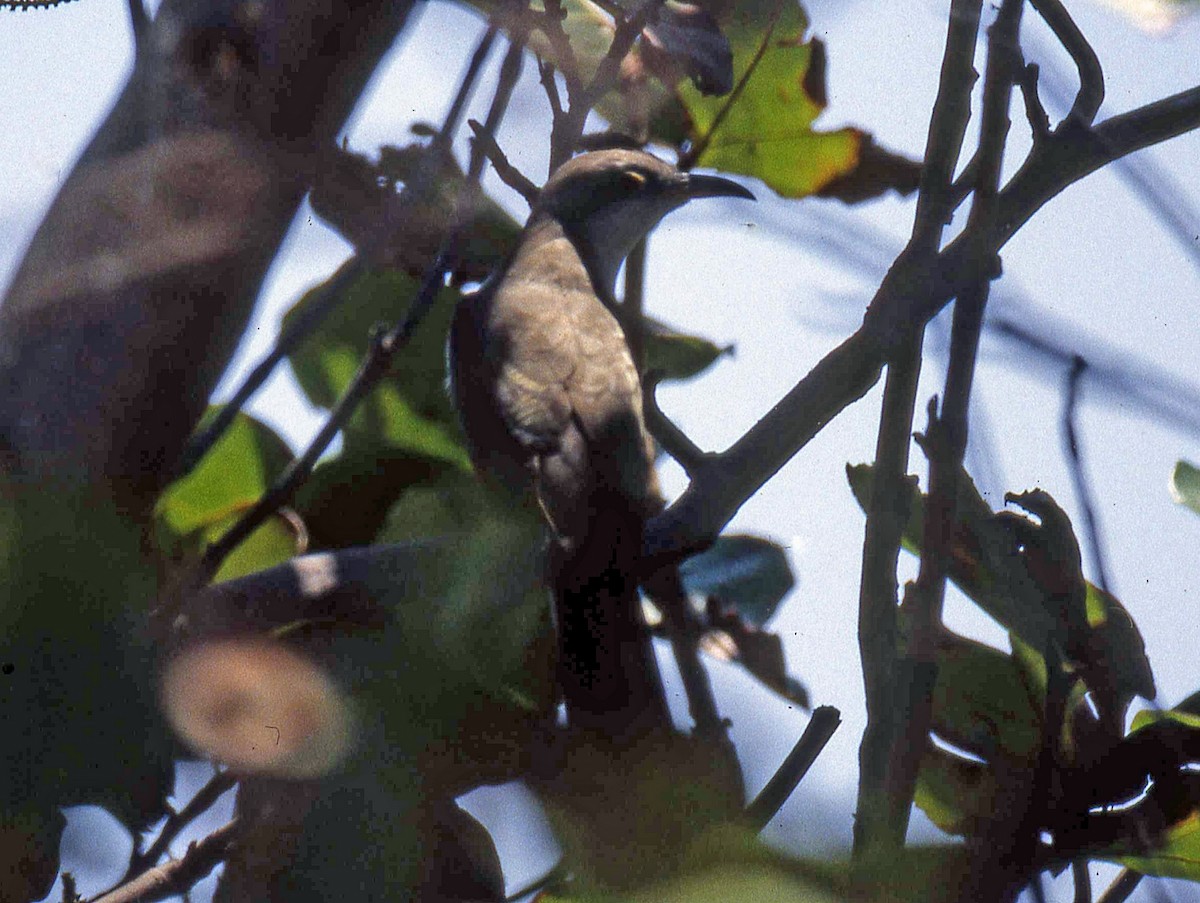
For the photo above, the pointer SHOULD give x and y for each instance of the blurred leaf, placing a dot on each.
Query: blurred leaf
(750, 884)
(981, 702)
(687, 41)
(955, 793)
(80, 724)
(1185, 485)
(678, 356)
(409, 409)
(359, 198)
(878, 170)
(346, 500)
(450, 503)
(1187, 712)
(749, 572)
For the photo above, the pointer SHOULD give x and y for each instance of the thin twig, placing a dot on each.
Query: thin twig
(909, 297)
(693, 153)
(568, 128)
(332, 292)
(139, 21)
(1122, 888)
(673, 440)
(1083, 490)
(550, 86)
(821, 727)
(509, 174)
(685, 633)
(1035, 113)
(946, 437)
(205, 797)
(309, 318)
(383, 346)
(877, 628)
(1091, 75)
(466, 88)
(1082, 878)
(179, 875)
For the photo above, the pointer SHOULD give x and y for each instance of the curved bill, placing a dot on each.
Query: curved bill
(701, 186)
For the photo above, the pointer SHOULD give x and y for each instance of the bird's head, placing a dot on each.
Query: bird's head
(608, 201)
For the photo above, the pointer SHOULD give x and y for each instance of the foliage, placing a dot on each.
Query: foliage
(375, 638)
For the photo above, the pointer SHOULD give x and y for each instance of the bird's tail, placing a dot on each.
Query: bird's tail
(607, 669)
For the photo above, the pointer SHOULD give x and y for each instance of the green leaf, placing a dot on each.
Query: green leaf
(1185, 485)
(231, 477)
(199, 508)
(409, 409)
(767, 131)
(1177, 857)
(955, 793)
(677, 356)
(981, 702)
(753, 573)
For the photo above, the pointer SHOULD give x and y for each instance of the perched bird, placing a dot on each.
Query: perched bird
(551, 399)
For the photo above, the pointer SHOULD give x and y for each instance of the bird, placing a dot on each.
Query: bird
(550, 400)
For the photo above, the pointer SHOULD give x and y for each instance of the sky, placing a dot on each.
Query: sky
(785, 282)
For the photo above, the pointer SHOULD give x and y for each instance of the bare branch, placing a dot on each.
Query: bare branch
(179, 875)
(1091, 76)
(466, 87)
(509, 174)
(1039, 122)
(1122, 888)
(1078, 476)
(821, 727)
(674, 441)
(877, 630)
(205, 797)
(908, 298)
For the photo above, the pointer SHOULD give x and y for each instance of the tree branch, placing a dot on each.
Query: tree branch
(384, 346)
(821, 727)
(179, 875)
(1091, 523)
(1091, 75)
(945, 441)
(907, 299)
(877, 630)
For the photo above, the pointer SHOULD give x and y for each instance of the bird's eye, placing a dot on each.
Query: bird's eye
(633, 180)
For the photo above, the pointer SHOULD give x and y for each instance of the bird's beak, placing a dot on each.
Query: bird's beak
(701, 186)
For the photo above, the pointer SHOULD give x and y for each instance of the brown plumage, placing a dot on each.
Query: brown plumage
(551, 399)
